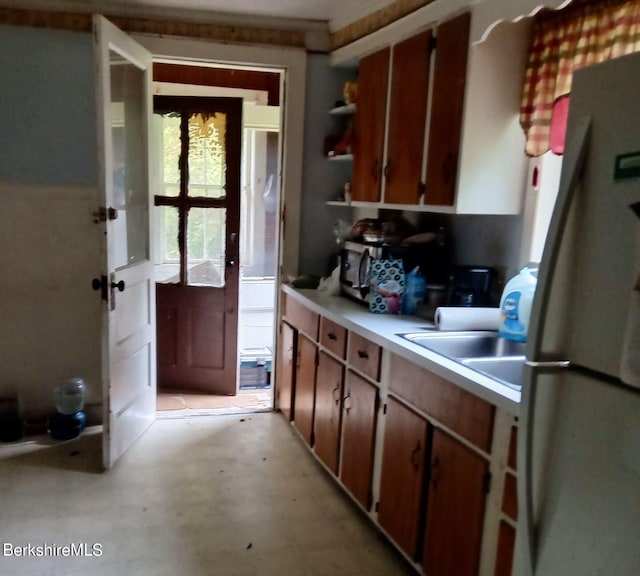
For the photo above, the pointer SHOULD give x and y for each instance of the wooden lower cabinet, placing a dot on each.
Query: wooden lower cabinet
(358, 437)
(455, 508)
(403, 472)
(305, 387)
(286, 369)
(328, 410)
(506, 545)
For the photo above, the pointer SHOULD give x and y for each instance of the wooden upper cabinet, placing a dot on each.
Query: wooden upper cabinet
(368, 145)
(452, 47)
(407, 118)
(455, 508)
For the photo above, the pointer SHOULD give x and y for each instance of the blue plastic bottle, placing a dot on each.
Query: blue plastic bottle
(515, 305)
(415, 286)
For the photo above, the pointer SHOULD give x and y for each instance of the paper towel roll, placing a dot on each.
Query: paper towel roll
(461, 318)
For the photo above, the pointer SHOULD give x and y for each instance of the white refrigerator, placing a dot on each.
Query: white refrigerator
(579, 431)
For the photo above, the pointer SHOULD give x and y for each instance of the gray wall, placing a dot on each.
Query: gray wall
(49, 246)
(322, 180)
(47, 107)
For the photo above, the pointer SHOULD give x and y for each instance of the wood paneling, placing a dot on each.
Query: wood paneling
(368, 143)
(402, 482)
(301, 317)
(333, 337)
(375, 21)
(223, 77)
(452, 47)
(286, 370)
(305, 388)
(506, 546)
(358, 437)
(328, 410)
(208, 31)
(510, 496)
(461, 411)
(407, 117)
(455, 510)
(364, 356)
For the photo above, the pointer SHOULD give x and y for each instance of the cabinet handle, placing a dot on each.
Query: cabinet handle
(387, 171)
(336, 389)
(347, 402)
(332, 336)
(363, 354)
(414, 456)
(375, 170)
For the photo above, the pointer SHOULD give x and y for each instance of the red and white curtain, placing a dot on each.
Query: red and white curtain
(585, 33)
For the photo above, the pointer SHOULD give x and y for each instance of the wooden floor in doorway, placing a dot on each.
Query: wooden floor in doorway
(177, 404)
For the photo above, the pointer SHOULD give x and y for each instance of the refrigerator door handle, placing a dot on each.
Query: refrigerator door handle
(527, 520)
(572, 172)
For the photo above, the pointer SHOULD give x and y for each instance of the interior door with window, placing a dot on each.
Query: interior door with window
(129, 356)
(197, 268)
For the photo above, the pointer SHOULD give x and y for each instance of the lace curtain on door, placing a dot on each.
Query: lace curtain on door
(586, 33)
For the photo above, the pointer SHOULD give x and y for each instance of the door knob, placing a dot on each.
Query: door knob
(119, 286)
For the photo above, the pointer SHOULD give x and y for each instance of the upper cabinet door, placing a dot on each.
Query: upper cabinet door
(368, 147)
(407, 118)
(452, 47)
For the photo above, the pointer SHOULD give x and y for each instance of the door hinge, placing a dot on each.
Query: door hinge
(487, 483)
(102, 214)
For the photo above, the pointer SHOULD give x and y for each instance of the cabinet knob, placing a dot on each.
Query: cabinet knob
(375, 170)
(388, 171)
(332, 336)
(415, 453)
(363, 354)
(348, 403)
(336, 394)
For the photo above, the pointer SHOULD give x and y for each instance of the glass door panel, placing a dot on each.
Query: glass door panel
(207, 161)
(206, 246)
(129, 174)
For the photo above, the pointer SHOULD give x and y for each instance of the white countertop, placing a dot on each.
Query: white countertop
(383, 329)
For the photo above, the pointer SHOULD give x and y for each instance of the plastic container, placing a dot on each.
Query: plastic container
(69, 396)
(415, 286)
(515, 305)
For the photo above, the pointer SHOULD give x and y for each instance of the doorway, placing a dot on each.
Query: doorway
(245, 384)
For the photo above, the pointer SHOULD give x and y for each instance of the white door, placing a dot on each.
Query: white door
(128, 334)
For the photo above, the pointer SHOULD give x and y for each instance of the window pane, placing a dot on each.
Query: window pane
(207, 165)
(170, 155)
(167, 269)
(206, 246)
(130, 178)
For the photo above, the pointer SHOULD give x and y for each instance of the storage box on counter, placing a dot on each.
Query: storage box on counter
(387, 286)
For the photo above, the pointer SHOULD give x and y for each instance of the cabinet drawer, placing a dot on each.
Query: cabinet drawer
(333, 337)
(467, 415)
(364, 356)
(300, 316)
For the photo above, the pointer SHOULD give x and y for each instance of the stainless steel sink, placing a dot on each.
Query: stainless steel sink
(485, 352)
(507, 369)
(466, 344)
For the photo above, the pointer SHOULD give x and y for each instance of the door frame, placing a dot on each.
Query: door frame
(293, 61)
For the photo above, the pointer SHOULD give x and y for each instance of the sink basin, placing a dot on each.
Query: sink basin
(484, 352)
(466, 344)
(507, 369)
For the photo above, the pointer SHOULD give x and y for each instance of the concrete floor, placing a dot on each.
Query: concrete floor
(215, 496)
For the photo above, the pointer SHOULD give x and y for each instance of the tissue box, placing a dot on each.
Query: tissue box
(387, 286)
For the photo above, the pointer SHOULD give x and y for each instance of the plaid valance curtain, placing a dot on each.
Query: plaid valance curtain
(586, 33)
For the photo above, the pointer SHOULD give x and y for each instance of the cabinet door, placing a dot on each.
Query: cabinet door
(402, 482)
(506, 545)
(328, 410)
(407, 117)
(455, 508)
(286, 367)
(373, 78)
(305, 387)
(452, 47)
(358, 437)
